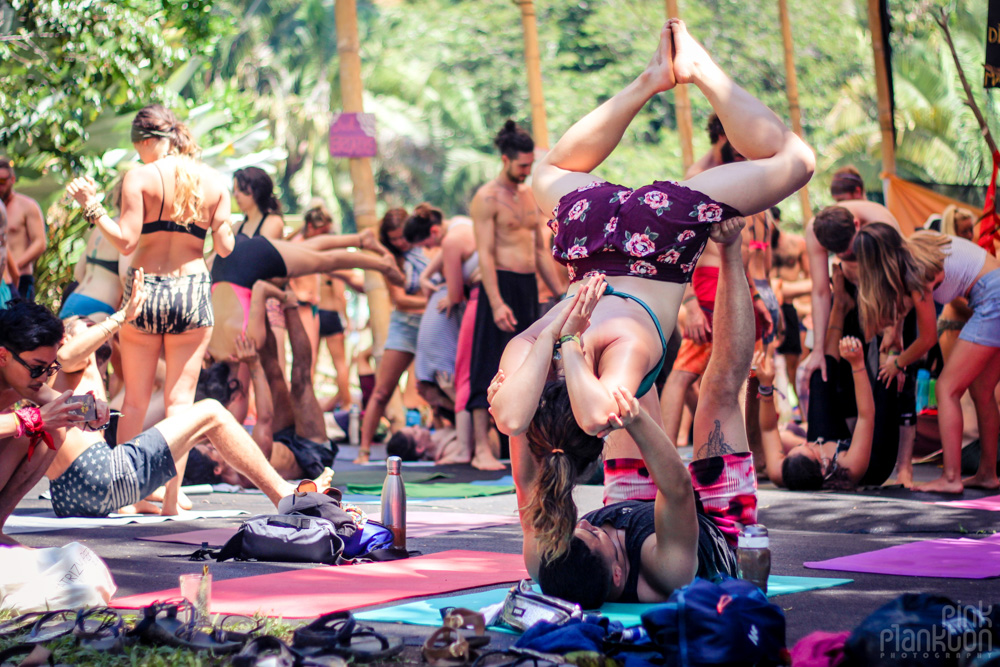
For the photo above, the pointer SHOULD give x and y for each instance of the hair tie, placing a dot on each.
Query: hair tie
(558, 451)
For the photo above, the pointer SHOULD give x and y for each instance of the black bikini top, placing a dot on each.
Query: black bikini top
(161, 225)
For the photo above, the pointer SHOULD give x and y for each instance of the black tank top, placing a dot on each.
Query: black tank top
(635, 517)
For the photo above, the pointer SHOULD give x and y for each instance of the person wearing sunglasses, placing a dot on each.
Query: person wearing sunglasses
(88, 478)
(29, 338)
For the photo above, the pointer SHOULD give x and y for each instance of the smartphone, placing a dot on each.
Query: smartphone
(88, 408)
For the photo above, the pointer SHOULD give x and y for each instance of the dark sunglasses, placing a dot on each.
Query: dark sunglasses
(37, 371)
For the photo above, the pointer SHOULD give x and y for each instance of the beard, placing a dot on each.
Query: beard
(515, 178)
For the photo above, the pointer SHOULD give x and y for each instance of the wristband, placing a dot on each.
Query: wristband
(858, 370)
(757, 296)
(763, 390)
(32, 425)
(689, 299)
(569, 337)
(895, 360)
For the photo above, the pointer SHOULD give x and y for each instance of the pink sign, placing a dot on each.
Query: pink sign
(353, 135)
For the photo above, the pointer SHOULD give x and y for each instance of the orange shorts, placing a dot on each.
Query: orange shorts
(693, 357)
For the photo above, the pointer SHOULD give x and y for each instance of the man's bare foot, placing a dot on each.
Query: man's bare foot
(689, 56)
(141, 507)
(8, 541)
(368, 241)
(362, 457)
(904, 477)
(486, 461)
(157, 497)
(392, 272)
(981, 481)
(940, 485)
(324, 480)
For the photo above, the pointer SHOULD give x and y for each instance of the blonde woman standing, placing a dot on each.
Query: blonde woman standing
(169, 205)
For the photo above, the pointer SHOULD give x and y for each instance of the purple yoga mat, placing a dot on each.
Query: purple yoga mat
(950, 559)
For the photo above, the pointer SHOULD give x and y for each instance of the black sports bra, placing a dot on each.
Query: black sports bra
(161, 225)
(106, 264)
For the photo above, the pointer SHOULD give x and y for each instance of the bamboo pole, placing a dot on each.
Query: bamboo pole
(351, 93)
(792, 89)
(885, 119)
(682, 105)
(532, 61)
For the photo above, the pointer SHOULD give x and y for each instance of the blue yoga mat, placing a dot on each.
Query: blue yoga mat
(428, 612)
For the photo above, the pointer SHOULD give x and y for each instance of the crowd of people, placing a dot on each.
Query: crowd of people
(613, 376)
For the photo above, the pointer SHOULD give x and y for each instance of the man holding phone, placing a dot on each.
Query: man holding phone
(89, 478)
(29, 338)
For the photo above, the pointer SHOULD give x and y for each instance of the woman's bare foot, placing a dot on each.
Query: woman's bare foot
(940, 485)
(689, 56)
(368, 241)
(486, 461)
(661, 67)
(904, 476)
(981, 481)
(362, 457)
(141, 507)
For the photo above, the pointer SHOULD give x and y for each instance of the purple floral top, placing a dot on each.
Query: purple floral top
(657, 231)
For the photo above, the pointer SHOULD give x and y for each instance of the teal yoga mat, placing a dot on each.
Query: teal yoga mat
(437, 490)
(427, 612)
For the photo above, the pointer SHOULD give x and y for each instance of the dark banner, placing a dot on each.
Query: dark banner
(992, 75)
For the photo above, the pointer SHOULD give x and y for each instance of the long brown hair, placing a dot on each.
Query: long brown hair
(563, 451)
(891, 268)
(156, 121)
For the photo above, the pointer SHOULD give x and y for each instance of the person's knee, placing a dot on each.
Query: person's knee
(381, 395)
(948, 388)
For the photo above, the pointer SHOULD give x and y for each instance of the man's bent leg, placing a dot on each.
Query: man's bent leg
(208, 419)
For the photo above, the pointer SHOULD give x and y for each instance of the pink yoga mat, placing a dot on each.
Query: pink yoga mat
(951, 559)
(991, 503)
(313, 592)
(418, 524)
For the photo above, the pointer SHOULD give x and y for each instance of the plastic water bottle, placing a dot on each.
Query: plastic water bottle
(354, 426)
(394, 502)
(923, 389)
(932, 394)
(753, 555)
(413, 417)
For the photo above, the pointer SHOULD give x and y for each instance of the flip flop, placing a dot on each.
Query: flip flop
(22, 623)
(518, 657)
(176, 623)
(99, 627)
(446, 647)
(270, 651)
(471, 624)
(339, 634)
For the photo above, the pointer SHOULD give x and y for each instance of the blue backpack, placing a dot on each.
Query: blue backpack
(728, 623)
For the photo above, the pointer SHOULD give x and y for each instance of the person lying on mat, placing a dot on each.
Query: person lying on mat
(290, 429)
(645, 242)
(88, 478)
(29, 338)
(640, 551)
(839, 458)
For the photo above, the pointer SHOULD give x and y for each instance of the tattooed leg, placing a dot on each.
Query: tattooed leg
(716, 445)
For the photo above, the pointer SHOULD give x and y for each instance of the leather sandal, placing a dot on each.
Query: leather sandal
(272, 652)
(446, 647)
(471, 623)
(339, 634)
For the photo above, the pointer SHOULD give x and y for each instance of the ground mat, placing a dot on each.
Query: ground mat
(376, 476)
(428, 612)
(316, 591)
(436, 490)
(48, 521)
(418, 524)
(989, 503)
(949, 558)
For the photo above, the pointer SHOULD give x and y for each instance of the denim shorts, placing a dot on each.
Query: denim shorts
(984, 300)
(403, 330)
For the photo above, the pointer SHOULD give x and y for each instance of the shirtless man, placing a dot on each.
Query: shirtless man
(511, 245)
(90, 479)
(714, 157)
(833, 230)
(8, 272)
(790, 265)
(25, 229)
(29, 338)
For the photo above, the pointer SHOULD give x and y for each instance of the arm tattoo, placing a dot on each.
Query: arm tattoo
(716, 445)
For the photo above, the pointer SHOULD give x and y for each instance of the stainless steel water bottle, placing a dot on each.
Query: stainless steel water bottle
(394, 502)
(354, 426)
(753, 555)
